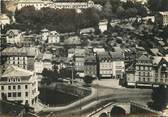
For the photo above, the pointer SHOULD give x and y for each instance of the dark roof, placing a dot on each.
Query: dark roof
(143, 58)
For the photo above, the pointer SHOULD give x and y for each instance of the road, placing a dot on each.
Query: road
(99, 96)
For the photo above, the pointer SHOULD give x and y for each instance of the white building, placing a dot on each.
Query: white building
(148, 72)
(4, 20)
(14, 36)
(21, 57)
(53, 37)
(111, 65)
(47, 60)
(103, 25)
(19, 85)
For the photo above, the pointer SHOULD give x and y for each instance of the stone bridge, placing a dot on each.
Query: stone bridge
(112, 109)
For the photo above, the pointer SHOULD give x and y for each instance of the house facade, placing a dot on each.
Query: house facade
(90, 66)
(22, 57)
(148, 72)
(19, 85)
(111, 65)
(162, 18)
(14, 36)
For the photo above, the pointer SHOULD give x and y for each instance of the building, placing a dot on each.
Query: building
(140, 73)
(22, 57)
(111, 65)
(14, 36)
(19, 85)
(148, 72)
(53, 37)
(79, 59)
(90, 66)
(118, 64)
(161, 18)
(103, 26)
(47, 60)
(38, 4)
(160, 69)
(4, 20)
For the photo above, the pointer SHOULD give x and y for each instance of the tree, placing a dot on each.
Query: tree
(49, 76)
(120, 12)
(131, 12)
(88, 80)
(66, 73)
(160, 98)
(107, 10)
(164, 5)
(154, 5)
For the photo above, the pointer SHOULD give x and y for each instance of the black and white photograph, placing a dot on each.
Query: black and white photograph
(84, 58)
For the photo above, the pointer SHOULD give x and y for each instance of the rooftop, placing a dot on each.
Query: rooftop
(143, 58)
(28, 51)
(13, 71)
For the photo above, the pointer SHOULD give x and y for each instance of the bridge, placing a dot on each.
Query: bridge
(112, 109)
(122, 109)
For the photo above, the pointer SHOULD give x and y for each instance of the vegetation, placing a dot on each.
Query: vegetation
(160, 98)
(88, 80)
(49, 76)
(62, 20)
(158, 5)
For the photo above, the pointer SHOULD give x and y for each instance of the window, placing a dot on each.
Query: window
(26, 86)
(144, 79)
(19, 94)
(9, 87)
(2, 87)
(14, 94)
(9, 95)
(14, 87)
(19, 87)
(26, 94)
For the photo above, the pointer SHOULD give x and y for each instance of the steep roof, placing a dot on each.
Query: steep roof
(28, 51)
(13, 71)
(144, 58)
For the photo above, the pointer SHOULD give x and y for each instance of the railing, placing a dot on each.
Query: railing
(145, 107)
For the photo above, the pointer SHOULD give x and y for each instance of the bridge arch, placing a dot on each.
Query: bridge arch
(117, 110)
(103, 115)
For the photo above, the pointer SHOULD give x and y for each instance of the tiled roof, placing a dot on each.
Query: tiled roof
(144, 58)
(90, 59)
(28, 51)
(117, 55)
(13, 71)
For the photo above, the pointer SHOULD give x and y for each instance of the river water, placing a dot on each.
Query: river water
(52, 97)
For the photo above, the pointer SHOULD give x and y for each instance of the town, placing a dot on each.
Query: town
(84, 58)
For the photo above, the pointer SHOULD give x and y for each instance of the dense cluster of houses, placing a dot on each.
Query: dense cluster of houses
(24, 55)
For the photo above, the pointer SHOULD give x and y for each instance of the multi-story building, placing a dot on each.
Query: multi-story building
(162, 18)
(53, 37)
(111, 65)
(148, 72)
(19, 85)
(143, 69)
(21, 57)
(4, 20)
(79, 57)
(47, 60)
(90, 66)
(38, 4)
(14, 36)
(160, 68)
